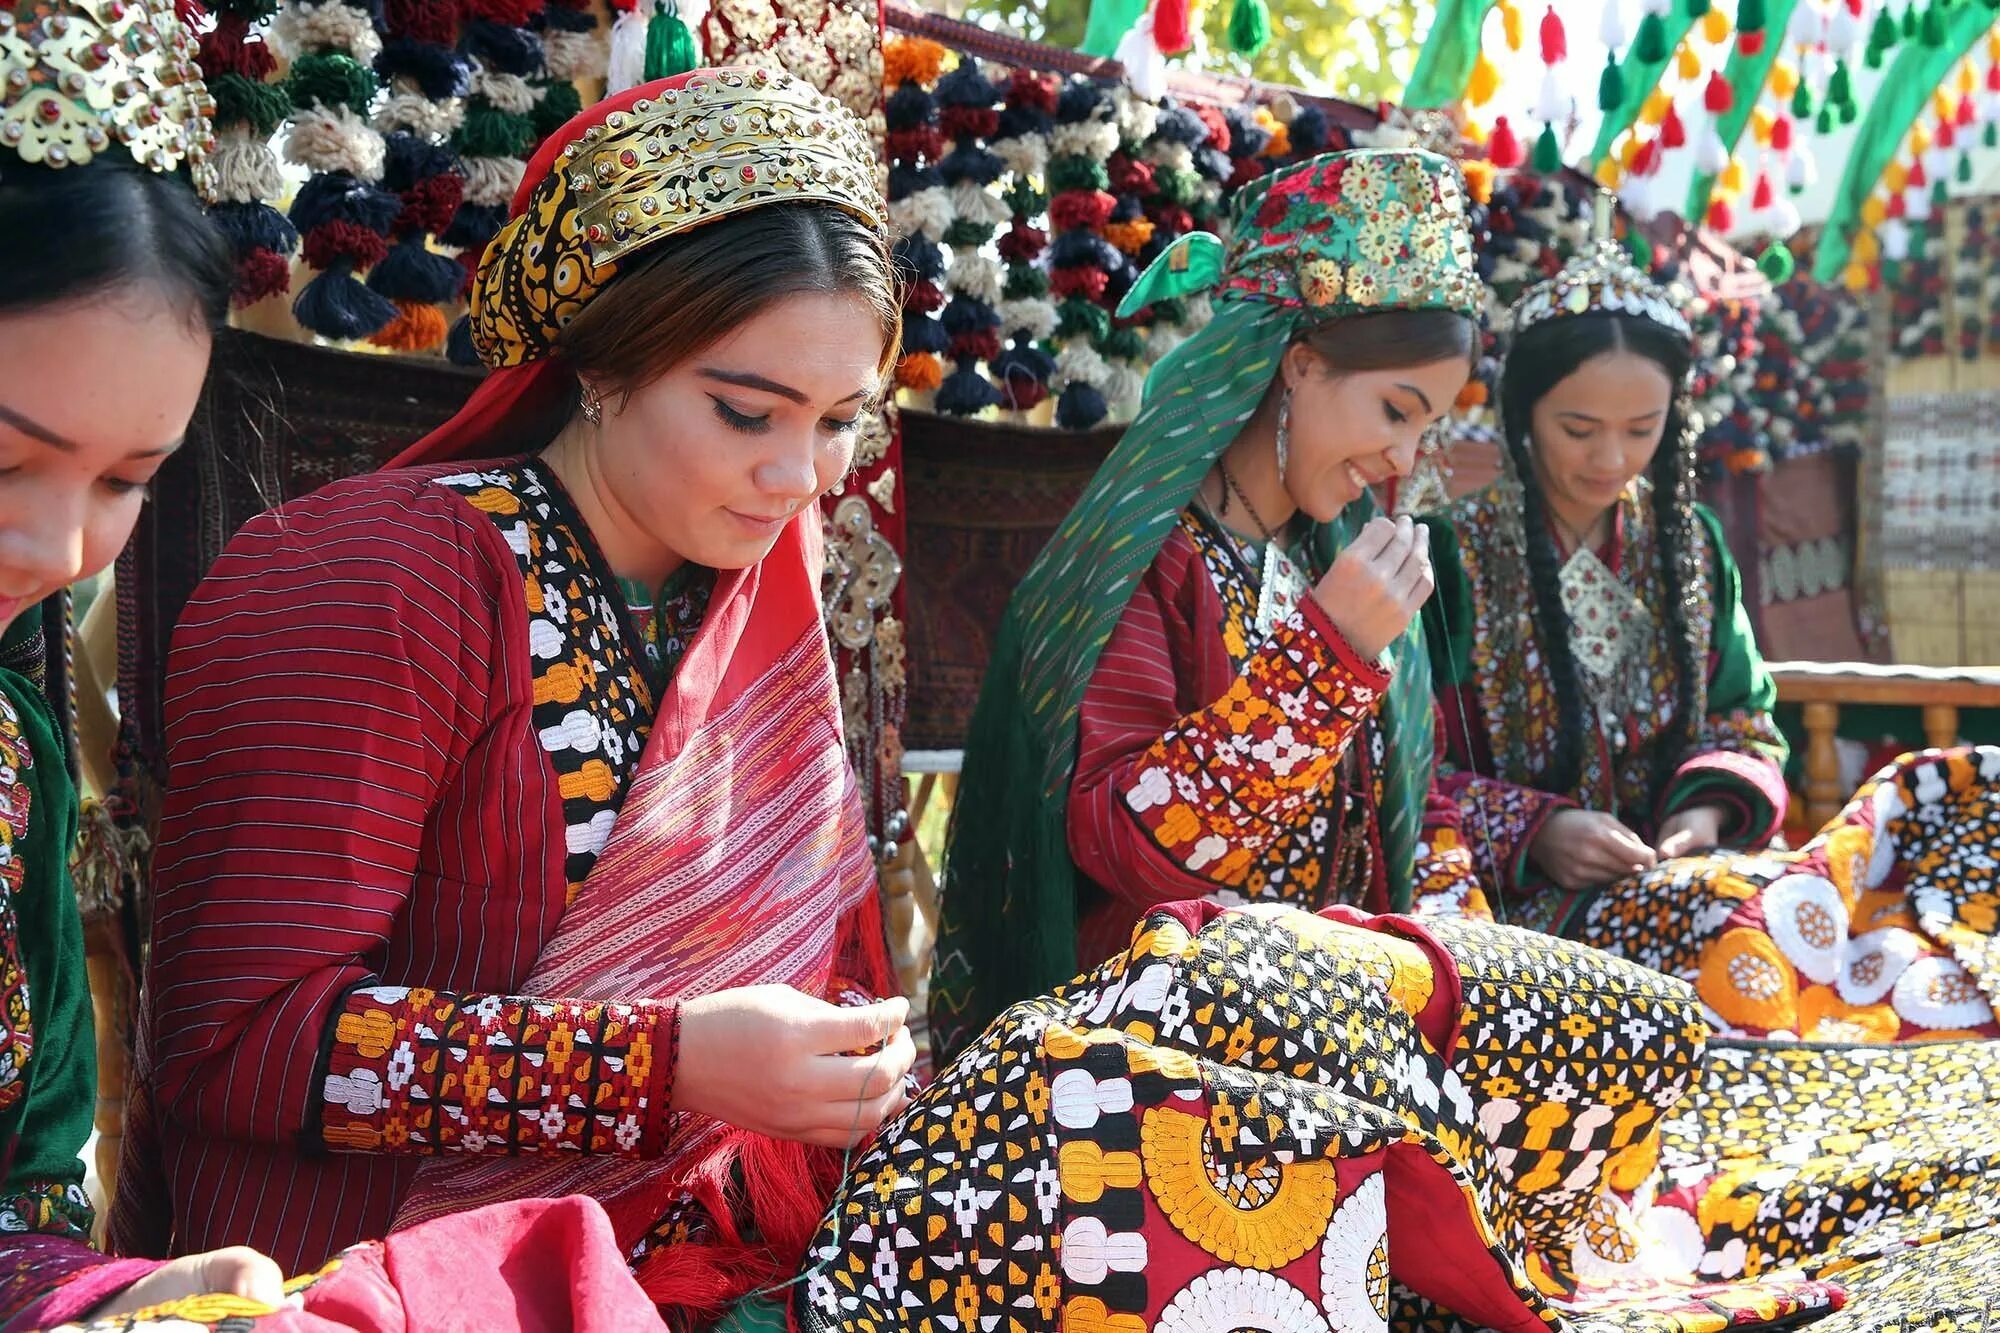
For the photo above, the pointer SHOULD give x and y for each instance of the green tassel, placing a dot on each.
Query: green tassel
(1548, 156)
(1802, 106)
(669, 44)
(1990, 136)
(332, 80)
(1170, 312)
(1750, 16)
(1249, 27)
(1650, 46)
(560, 104)
(1892, 272)
(487, 131)
(1640, 249)
(1849, 112)
(242, 100)
(1939, 194)
(1025, 282)
(1839, 88)
(1825, 122)
(1776, 263)
(1964, 168)
(1128, 344)
(1910, 21)
(1920, 239)
(1610, 86)
(1933, 26)
(1883, 35)
(1698, 8)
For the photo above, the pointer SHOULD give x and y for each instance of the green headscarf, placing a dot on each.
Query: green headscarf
(1339, 235)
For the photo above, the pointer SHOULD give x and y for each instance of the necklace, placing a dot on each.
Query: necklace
(1230, 483)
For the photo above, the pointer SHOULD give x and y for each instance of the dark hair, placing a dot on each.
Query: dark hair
(1542, 357)
(73, 233)
(681, 295)
(1393, 339)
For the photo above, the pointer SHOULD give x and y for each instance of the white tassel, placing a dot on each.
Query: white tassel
(1145, 66)
(1079, 363)
(1172, 156)
(975, 203)
(1917, 203)
(1939, 163)
(1200, 310)
(491, 182)
(974, 275)
(409, 110)
(1032, 316)
(508, 92)
(246, 170)
(333, 26)
(626, 67)
(1552, 104)
(321, 141)
(1843, 30)
(1808, 24)
(1611, 26)
(576, 55)
(1137, 116)
(1801, 171)
(1027, 155)
(1162, 339)
(1124, 386)
(1640, 195)
(1711, 156)
(1784, 218)
(927, 211)
(1816, 68)
(1895, 238)
(1989, 108)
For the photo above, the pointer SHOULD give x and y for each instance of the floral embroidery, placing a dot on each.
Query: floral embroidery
(593, 707)
(421, 1071)
(17, 1036)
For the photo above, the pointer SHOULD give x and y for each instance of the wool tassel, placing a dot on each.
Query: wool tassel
(1673, 134)
(1171, 28)
(1611, 25)
(1721, 219)
(1777, 264)
(1484, 82)
(1249, 27)
(1650, 47)
(1555, 42)
(1762, 196)
(1802, 102)
(1547, 160)
(1551, 102)
(1718, 97)
(1610, 86)
(1503, 148)
(627, 68)
(669, 44)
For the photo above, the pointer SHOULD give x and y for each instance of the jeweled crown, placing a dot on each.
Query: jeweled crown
(80, 76)
(713, 147)
(1600, 280)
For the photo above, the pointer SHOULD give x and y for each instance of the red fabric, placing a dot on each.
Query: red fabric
(1165, 660)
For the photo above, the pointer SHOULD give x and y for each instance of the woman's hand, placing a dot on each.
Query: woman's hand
(233, 1272)
(1580, 849)
(1695, 829)
(1378, 584)
(775, 1061)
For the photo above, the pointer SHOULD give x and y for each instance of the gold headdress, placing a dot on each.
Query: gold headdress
(717, 144)
(1601, 280)
(80, 76)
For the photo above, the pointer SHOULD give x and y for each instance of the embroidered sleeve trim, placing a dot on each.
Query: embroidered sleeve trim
(1750, 786)
(1445, 881)
(427, 1072)
(1225, 783)
(1501, 821)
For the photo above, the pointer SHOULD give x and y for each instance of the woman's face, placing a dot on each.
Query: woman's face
(1355, 430)
(96, 396)
(712, 459)
(1599, 428)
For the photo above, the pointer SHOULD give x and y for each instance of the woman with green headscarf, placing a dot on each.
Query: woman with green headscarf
(1213, 683)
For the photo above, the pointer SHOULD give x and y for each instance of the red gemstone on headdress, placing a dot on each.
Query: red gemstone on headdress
(629, 158)
(594, 233)
(100, 54)
(50, 110)
(749, 175)
(115, 13)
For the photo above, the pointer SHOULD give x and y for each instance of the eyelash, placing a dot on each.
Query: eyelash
(116, 486)
(1396, 417)
(750, 425)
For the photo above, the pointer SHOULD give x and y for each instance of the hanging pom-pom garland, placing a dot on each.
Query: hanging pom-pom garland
(238, 66)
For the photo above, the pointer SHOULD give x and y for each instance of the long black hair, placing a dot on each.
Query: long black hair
(74, 233)
(1541, 357)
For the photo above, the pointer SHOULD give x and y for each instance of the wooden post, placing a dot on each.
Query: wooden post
(1823, 788)
(1941, 725)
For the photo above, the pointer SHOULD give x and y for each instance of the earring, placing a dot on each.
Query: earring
(591, 406)
(1284, 434)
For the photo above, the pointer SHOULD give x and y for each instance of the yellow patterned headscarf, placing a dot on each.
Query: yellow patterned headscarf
(660, 160)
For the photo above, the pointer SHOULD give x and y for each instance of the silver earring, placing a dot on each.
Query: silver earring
(591, 406)
(1284, 433)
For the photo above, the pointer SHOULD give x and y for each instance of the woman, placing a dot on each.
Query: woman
(507, 806)
(110, 263)
(1605, 709)
(1212, 682)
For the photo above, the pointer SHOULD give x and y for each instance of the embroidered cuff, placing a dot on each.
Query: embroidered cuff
(1501, 821)
(1750, 787)
(1219, 788)
(1444, 881)
(420, 1071)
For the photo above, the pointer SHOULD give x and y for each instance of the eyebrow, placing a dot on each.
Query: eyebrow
(1598, 421)
(762, 385)
(35, 431)
(1422, 397)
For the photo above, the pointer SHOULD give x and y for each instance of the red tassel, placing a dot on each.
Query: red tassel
(1718, 98)
(1993, 79)
(1720, 218)
(1967, 113)
(1897, 208)
(1947, 136)
(1648, 159)
(1781, 135)
(1750, 43)
(1170, 27)
(1673, 134)
(1761, 197)
(1918, 176)
(1555, 42)
(1503, 150)
(1855, 7)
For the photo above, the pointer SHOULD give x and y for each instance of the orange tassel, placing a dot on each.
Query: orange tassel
(919, 371)
(911, 60)
(417, 328)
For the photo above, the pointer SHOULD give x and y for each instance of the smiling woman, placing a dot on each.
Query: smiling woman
(543, 750)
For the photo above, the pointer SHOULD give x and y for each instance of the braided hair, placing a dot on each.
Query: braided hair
(1541, 357)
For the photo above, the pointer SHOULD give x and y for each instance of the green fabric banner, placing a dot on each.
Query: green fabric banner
(1445, 64)
(1641, 78)
(1747, 76)
(1109, 21)
(1905, 90)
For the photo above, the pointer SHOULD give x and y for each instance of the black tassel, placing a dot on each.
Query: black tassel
(254, 227)
(438, 71)
(508, 50)
(458, 348)
(336, 196)
(411, 273)
(410, 158)
(474, 225)
(966, 392)
(1080, 407)
(336, 305)
(922, 333)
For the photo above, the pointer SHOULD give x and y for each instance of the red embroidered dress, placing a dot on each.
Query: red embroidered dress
(405, 715)
(1497, 706)
(1212, 764)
